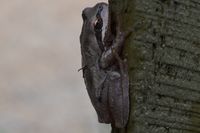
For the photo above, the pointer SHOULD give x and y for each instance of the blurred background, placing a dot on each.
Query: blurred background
(40, 88)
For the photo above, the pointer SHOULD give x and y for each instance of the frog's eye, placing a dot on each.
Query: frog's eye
(98, 24)
(84, 17)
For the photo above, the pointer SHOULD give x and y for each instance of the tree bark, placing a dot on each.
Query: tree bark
(163, 56)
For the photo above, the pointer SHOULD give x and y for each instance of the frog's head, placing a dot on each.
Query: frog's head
(95, 21)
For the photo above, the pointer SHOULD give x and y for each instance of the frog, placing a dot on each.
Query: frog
(105, 73)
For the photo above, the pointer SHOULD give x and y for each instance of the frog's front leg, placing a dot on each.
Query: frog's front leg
(107, 57)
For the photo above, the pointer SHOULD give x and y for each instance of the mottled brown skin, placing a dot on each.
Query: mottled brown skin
(104, 73)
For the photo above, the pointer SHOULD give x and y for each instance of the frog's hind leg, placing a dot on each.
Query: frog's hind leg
(118, 100)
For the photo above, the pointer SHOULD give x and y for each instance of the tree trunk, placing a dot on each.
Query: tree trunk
(164, 64)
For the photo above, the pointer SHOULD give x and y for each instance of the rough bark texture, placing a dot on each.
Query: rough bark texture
(164, 64)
